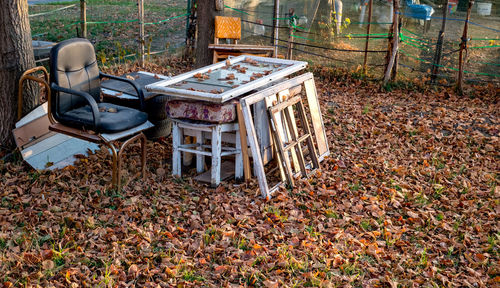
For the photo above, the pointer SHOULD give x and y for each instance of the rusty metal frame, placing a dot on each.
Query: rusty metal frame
(117, 163)
(27, 76)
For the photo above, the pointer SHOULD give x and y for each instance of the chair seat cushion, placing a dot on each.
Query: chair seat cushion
(114, 118)
(202, 111)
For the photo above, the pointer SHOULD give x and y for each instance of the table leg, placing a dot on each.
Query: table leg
(177, 136)
(244, 143)
(216, 155)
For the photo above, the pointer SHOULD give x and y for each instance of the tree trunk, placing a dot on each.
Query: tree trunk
(190, 30)
(16, 52)
(206, 29)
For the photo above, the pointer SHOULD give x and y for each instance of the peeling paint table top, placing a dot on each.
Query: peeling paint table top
(226, 80)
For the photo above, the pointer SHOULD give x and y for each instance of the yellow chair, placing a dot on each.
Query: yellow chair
(230, 28)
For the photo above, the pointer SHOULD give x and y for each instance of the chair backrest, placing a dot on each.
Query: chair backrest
(73, 65)
(227, 28)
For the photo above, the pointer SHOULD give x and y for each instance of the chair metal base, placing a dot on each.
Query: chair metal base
(116, 154)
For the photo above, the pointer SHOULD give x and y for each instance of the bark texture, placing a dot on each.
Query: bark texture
(16, 55)
(206, 28)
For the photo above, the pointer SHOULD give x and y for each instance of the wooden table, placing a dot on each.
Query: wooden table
(226, 80)
(223, 81)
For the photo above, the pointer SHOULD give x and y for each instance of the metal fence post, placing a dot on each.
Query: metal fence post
(140, 4)
(275, 27)
(83, 18)
(291, 29)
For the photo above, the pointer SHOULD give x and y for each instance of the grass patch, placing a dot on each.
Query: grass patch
(44, 239)
(243, 244)
(3, 243)
(366, 225)
(211, 235)
(331, 214)
(440, 217)
(355, 186)
(366, 109)
(189, 275)
(423, 259)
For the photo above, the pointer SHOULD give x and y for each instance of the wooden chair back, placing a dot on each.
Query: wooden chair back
(227, 28)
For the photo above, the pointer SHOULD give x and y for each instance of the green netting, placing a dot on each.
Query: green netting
(320, 31)
(113, 25)
(315, 23)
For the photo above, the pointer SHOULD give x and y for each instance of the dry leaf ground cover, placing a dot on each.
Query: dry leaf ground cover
(409, 198)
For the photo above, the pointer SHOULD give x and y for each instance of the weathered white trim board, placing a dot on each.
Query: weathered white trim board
(164, 87)
(307, 80)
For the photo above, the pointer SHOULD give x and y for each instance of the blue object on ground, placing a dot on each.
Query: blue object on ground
(418, 11)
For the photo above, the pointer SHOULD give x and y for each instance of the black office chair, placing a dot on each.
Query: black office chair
(75, 105)
(76, 91)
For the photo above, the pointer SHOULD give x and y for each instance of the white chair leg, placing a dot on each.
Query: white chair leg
(200, 159)
(216, 158)
(238, 160)
(177, 137)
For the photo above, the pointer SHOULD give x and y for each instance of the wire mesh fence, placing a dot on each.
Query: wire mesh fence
(334, 32)
(330, 32)
(112, 25)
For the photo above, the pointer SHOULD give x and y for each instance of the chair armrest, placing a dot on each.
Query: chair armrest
(87, 97)
(138, 89)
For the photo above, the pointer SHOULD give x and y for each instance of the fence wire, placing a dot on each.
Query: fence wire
(335, 33)
(112, 25)
(329, 32)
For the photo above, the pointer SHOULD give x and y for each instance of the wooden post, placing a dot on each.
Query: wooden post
(275, 27)
(395, 42)
(390, 36)
(396, 59)
(463, 46)
(83, 18)
(439, 45)
(140, 5)
(331, 14)
(367, 35)
(244, 143)
(291, 13)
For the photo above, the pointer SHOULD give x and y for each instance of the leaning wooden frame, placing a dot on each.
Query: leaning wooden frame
(292, 141)
(322, 150)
